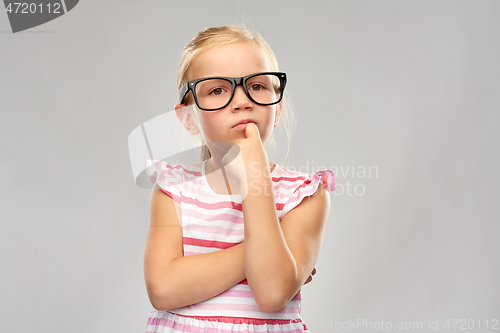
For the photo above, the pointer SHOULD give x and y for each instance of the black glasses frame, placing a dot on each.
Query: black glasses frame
(235, 81)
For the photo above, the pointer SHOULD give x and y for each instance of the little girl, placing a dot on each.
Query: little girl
(231, 238)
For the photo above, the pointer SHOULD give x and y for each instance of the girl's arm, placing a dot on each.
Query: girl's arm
(174, 281)
(278, 257)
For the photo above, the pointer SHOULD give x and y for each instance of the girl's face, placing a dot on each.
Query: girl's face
(234, 60)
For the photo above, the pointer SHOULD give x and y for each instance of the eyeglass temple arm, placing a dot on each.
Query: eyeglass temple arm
(183, 93)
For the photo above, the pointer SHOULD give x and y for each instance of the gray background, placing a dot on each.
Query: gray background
(410, 87)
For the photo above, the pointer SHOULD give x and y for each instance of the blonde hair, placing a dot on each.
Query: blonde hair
(220, 35)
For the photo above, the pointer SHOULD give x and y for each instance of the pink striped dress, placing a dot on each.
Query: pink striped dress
(212, 222)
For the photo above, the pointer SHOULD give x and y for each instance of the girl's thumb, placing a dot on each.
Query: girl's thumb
(252, 130)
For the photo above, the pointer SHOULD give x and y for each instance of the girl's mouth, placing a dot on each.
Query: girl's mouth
(244, 125)
(240, 126)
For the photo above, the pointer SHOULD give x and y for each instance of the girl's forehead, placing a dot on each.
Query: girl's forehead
(231, 60)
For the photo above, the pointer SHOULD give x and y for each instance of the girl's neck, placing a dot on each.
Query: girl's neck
(219, 183)
(218, 151)
(215, 164)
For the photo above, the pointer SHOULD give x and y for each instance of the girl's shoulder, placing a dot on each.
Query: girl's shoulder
(176, 173)
(289, 179)
(292, 186)
(171, 177)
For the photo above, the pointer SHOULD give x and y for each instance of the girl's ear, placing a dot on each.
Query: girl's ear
(185, 118)
(278, 113)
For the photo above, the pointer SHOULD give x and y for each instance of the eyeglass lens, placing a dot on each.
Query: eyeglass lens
(216, 93)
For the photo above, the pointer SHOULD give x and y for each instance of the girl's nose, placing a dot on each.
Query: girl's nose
(241, 100)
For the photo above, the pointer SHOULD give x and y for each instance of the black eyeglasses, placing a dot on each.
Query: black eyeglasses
(215, 93)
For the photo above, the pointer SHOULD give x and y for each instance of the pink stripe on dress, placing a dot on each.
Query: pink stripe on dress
(211, 206)
(213, 216)
(202, 328)
(207, 243)
(240, 307)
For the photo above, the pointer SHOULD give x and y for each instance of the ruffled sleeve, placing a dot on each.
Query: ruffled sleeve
(169, 178)
(306, 186)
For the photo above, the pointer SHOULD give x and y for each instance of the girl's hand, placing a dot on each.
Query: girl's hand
(247, 159)
(251, 145)
(309, 279)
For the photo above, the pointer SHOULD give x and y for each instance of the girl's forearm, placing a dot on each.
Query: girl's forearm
(269, 264)
(196, 278)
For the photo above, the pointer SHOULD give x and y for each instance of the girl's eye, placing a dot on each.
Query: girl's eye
(217, 91)
(256, 87)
